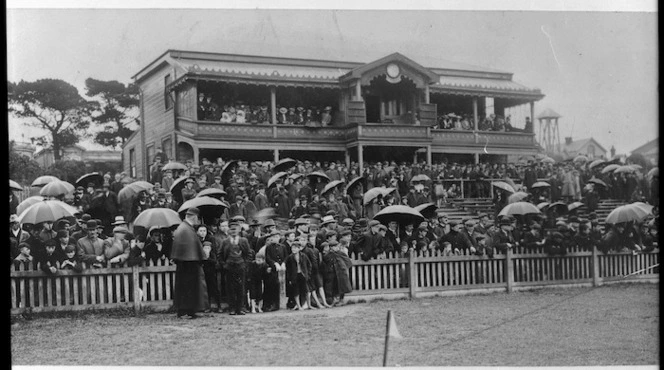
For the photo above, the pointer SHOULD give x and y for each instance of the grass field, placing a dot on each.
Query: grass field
(609, 325)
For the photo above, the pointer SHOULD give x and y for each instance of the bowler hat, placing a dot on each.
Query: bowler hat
(505, 222)
(269, 222)
(300, 221)
(92, 224)
(328, 219)
(86, 217)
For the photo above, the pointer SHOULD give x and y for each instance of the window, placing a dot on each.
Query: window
(167, 146)
(132, 163)
(168, 97)
(150, 154)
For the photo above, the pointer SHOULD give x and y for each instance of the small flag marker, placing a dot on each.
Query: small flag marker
(391, 330)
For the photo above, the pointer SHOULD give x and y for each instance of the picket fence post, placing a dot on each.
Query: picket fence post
(137, 289)
(412, 275)
(596, 279)
(509, 270)
(283, 300)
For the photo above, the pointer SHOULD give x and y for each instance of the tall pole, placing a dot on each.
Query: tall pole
(475, 115)
(360, 158)
(273, 104)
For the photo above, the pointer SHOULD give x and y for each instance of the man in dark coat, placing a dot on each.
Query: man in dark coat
(370, 243)
(190, 295)
(235, 255)
(275, 257)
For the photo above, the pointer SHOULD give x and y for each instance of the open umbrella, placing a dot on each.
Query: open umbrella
(654, 172)
(15, 185)
(420, 178)
(597, 181)
(403, 215)
(174, 166)
(227, 171)
(56, 188)
(209, 207)
(274, 178)
(548, 160)
(580, 159)
(318, 175)
(212, 192)
(371, 194)
(543, 205)
(165, 217)
(284, 165)
(644, 206)
(517, 197)
(265, 214)
(28, 202)
(610, 168)
(127, 180)
(540, 184)
(558, 207)
(626, 213)
(295, 176)
(503, 185)
(48, 210)
(387, 191)
(625, 169)
(330, 186)
(176, 188)
(130, 191)
(573, 206)
(596, 163)
(43, 180)
(636, 166)
(427, 210)
(519, 208)
(94, 177)
(355, 181)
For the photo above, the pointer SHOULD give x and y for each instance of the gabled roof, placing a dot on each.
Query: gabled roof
(654, 143)
(575, 145)
(394, 57)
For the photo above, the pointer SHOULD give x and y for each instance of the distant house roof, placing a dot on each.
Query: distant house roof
(575, 145)
(654, 143)
(549, 113)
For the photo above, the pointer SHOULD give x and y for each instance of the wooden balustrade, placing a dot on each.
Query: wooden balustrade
(151, 285)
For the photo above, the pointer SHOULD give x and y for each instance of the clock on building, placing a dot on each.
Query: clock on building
(393, 70)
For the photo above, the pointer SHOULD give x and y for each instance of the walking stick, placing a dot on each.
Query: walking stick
(642, 270)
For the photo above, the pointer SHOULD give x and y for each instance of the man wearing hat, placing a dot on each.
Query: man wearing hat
(328, 224)
(120, 221)
(454, 237)
(83, 227)
(235, 253)
(108, 207)
(504, 238)
(275, 256)
(370, 243)
(260, 200)
(90, 248)
(254, 234)
(190, 293)
(533, 238)
(78, 195)
(237, 208)
(168, 180)
(15, 230)
(216, 183)
(268, 227)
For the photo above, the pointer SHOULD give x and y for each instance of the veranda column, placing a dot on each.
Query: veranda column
(276, 155)
(475, 116)
(196, 154)
(273, 104)
(358, 91)
(532, 112)
(477, 158)
(347, 155)
(429, 155)
(426, 94)
(360, 158)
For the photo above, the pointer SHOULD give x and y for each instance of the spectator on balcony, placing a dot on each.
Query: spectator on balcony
(529, 126)
(282, 116)
(240, 114)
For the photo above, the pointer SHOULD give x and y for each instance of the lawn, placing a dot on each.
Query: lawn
(609, 325)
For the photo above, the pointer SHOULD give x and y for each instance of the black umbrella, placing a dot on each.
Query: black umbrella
(274, 178)
(403, 215)
(284, 165)
(176, 188)
(558, 207)
(94, 177)
(209, 207)
(355, 181)
(427, 210)
(227, 171)
(318, 175)
(212, 192)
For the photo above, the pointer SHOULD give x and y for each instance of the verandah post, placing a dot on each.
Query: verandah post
(412, 274)
(509, 271)
(137, 289)
(596, 279)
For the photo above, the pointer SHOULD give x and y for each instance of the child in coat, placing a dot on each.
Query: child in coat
(210, 272)
(71, 262)
(257, 273)
(298, 272)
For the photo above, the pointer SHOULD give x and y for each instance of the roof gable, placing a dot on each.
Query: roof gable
(576, 145)
(647, 146)
(428, 75)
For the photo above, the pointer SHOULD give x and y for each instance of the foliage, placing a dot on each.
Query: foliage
(117, 108)
(67, 170)
(52, 105)
(638, 158)
(22, 169)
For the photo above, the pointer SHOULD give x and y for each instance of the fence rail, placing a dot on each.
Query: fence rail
(152, 285)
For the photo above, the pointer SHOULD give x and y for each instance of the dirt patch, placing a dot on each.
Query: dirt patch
(610, 325)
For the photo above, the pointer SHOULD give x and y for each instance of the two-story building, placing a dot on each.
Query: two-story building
(197, 105)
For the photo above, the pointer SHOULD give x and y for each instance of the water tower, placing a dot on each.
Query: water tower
(549, 132)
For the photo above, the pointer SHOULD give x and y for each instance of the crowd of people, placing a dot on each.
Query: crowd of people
(209, 110)
(240, 255)
(492, 122)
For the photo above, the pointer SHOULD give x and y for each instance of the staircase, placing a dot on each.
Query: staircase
(459, 208)
(604, 208)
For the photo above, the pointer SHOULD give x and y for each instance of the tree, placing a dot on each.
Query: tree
(118, 109)
(22, 169)
(52, 105)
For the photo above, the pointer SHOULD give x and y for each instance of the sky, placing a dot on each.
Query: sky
(598, 69)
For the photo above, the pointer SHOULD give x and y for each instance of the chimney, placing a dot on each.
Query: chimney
(568, 140)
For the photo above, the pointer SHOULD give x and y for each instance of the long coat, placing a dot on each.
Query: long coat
(186, 244)
(335, 267)
(190, 293)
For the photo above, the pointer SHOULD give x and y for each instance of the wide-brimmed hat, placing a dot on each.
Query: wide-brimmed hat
(328, 219)
(269, 222)
(283, 110)
(119, 220)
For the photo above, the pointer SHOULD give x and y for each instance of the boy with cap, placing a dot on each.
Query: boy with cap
(71, 261)
(275, 256)
(504, 239)
(257, 273)
(298, 273)
(335, 274)
(370, 243)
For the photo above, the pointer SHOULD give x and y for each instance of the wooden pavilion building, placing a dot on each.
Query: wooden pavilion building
(388, 109)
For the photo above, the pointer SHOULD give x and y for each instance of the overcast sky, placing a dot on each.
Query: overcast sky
(598, 70)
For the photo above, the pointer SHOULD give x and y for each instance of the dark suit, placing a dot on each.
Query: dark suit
(235, 255)
(274, 253)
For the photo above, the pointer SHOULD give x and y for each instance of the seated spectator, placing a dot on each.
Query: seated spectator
(25, 254)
